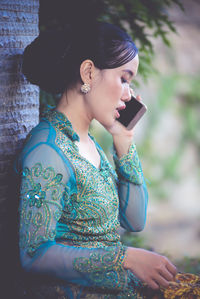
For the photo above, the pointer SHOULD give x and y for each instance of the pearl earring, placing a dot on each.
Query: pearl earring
(85, 88)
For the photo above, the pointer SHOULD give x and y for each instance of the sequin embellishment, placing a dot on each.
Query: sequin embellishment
(104, 269)
(41, 190)
(129, 167)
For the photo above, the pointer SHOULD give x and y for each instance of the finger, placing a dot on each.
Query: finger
(166, 274)
(161, 281)
(138, 97)
(172, 269)
(152, 284)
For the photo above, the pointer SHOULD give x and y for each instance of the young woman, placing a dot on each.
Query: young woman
(72, 200)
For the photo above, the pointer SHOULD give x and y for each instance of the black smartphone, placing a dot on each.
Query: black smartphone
(132, 113)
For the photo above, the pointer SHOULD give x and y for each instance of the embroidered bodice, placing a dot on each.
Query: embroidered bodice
(70, 211)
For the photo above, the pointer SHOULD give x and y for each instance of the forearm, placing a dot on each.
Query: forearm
(133, 205)
(132, 189)
(95, 267)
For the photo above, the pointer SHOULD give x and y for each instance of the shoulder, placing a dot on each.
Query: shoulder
(35, 144)
(41, 147)
(38, 135)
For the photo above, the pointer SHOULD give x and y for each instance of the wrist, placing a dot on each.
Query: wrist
(122, 144)
(132, 257)
(128, 258)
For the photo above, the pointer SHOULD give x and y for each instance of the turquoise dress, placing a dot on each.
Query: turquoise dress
(70, 213)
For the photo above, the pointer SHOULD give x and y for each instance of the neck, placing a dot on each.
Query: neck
(72, 104)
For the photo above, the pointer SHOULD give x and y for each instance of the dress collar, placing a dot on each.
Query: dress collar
(60, 121)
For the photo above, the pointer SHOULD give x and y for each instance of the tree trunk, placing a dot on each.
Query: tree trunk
(19, 112)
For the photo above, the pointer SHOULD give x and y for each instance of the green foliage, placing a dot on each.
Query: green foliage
(134, 240)
(190, 109)
(144, 20)
(189, 265)
(179, 96)
(140, 15)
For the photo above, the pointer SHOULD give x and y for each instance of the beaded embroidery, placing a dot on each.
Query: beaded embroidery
(41, 191)
(96, 201)
(104, 269)
(129, 167)
(61, 122)
(94, 222)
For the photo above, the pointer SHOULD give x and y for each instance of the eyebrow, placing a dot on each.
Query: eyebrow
(129, 72)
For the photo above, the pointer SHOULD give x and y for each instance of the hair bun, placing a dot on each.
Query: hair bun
(43, 60)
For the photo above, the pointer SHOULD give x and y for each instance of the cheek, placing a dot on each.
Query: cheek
(114, 90)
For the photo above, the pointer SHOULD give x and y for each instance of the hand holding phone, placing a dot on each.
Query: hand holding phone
(132, 113)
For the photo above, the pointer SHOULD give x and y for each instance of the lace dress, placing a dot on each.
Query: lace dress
(70, 213)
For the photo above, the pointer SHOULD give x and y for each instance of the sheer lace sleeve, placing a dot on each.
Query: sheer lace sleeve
(45, 190)
(132, 191)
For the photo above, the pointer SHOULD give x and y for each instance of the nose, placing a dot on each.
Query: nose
(126, 96)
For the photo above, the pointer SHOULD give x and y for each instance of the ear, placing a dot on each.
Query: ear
(87, 71)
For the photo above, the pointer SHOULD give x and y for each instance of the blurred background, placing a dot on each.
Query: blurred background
(168, 136)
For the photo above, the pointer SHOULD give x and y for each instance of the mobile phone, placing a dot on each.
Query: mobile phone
(132, 113)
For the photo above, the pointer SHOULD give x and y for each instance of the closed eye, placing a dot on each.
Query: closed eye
(124, 80)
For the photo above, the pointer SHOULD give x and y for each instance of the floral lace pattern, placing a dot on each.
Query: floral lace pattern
(104, 267)
(129, 167)
(41, 189)
(61, 122)
(95, 201)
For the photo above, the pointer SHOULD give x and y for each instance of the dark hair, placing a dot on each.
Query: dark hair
(52, 61)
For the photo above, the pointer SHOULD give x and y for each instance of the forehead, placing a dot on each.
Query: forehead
(131, 67)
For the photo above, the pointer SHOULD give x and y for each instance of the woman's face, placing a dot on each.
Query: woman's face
(110, 91)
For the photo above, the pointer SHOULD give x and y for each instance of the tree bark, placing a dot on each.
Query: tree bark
(19, 112)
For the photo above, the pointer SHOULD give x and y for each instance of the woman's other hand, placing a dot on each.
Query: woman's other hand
(152, 268)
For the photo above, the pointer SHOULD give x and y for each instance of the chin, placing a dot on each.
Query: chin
(107, 122)
(111, 122)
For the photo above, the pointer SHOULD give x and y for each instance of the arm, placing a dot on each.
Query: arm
(132, 191)
(45, 190)
(149, 267)
(133, 194)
